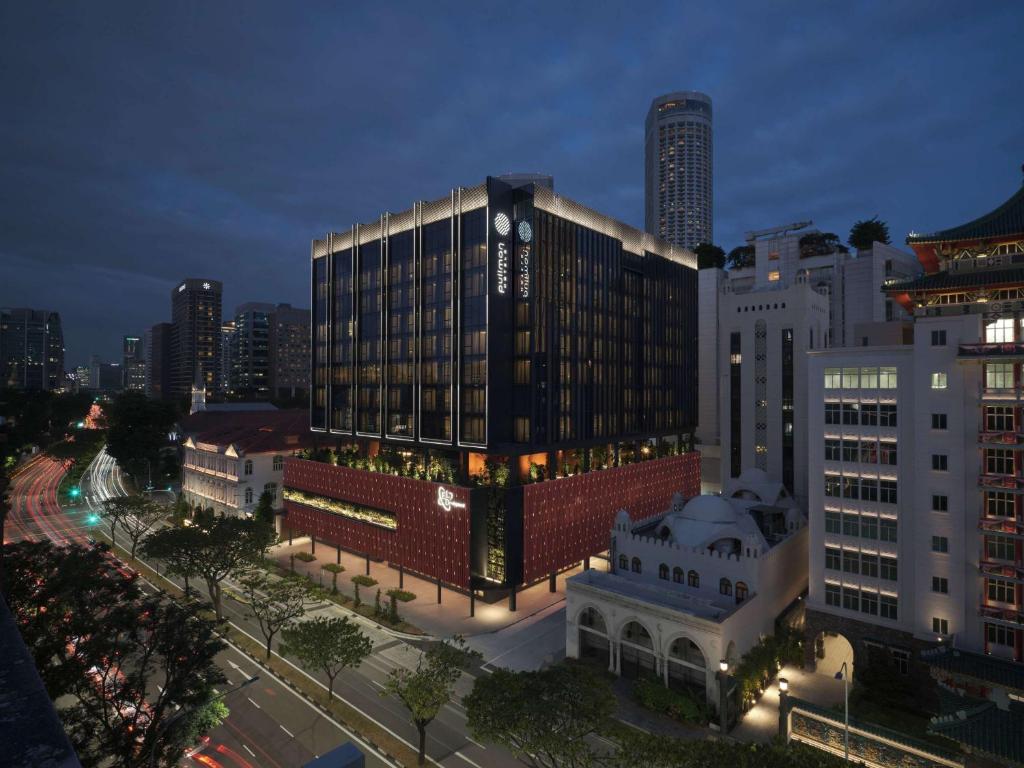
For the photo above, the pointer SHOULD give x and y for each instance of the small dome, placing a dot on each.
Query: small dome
(709, 509)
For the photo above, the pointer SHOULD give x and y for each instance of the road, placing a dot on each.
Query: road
(273, 713)
(270, 725)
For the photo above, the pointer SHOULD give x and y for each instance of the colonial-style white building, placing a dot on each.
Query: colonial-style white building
(237, 456)
(702, 582)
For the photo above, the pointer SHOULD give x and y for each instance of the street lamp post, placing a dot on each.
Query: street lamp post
(844, 675)
(723, 693)
(178, 715)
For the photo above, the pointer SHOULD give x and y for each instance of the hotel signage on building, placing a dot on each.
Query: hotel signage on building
(446, 500)
(525, 232)
(503, 226)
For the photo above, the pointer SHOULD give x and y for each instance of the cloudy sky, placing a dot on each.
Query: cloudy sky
(144, 142)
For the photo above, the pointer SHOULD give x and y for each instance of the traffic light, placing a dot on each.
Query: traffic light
(92, 519)
(75, 492)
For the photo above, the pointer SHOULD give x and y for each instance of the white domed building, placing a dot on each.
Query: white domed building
(696, 585)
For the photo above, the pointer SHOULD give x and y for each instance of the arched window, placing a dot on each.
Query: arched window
(741, 591)
(636, 567)
(272, 488)
(693, 579)
(592, 619)
(677, 575)
(278, 463)
(248, 495)
(663, 572)
(623, 563)
(725, 586)
(248, 466)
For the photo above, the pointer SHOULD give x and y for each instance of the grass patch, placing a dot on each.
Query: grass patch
(306, 557)
(364, 581)
(401, 595)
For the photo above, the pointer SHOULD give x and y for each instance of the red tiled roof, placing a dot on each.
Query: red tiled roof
(253, 431)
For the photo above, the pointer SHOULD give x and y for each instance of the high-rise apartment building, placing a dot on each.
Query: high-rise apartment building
(917, 460)
(798, 290)
(227, 349)
(158, 342)
(133, 364)
(678, 163)
(289, 351)
(31, 349)
(250, 350)
(196, 342)
(507, 334)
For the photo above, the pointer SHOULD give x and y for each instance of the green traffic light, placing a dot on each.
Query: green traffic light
(92, 519)
(75, 492)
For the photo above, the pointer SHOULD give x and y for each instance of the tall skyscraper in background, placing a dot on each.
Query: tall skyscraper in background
(158, 360)
(289, 351)
(269, 351)
(678, 169)
(196, 342)
(31, 349)
(134, 364)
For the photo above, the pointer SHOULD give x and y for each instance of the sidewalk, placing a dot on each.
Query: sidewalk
(761, 723)
(528, 638)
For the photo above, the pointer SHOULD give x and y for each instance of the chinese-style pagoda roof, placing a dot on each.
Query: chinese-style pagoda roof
(987, 669)
(1004, 221)
(985, 728)
(946, 281)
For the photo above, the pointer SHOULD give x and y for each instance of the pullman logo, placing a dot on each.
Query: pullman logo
(503, 224)
(525, 231)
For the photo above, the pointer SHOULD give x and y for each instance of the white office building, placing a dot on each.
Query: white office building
(915, 451)
(702, 582)
(799, 290)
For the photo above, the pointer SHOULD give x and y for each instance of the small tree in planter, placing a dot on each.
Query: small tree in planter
(334, 569)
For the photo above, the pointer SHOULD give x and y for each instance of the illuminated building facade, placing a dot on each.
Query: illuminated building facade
(679, 205)
(31, 349)
(196, 337)
(499, 335)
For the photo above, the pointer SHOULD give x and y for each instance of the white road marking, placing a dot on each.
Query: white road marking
(474, 741)
(286, 731)
(234, 666)
(248, 750)
(477, 765)
(254, 703)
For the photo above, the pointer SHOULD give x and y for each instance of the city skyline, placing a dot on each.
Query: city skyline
(151, 176)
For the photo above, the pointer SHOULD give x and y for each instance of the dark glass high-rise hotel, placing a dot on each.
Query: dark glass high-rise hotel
(520, 365)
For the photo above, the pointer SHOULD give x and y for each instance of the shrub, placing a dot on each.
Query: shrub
(681, 706)
(401, 594)
(306, 557)
(364, 581)
(333, 567)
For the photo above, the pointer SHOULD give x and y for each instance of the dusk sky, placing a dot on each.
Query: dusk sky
(141, 143)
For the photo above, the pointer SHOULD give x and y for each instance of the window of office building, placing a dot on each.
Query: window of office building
(887, 530)
(869, 414)
(938, 338)
(887, 491)
(869, 565)
(868, 527)
(999, 375)
(473, 296)
(833, 413)
(938, 421)
(851, 378)
(998, 418)
(940, 584)
(940, 544)
(886, 415)
(999, 331)
(999, 635)
(999, 461)
(999, 504)
(832, 595)
(832, 524)
(869, 489)
(869, 602)
(940, 503)
(888, 568)
(833, 378)
(869, 378)
(1000, 548)
(832, 559)
(887, 377)
(940, 626)
(851, 561)
(940, 462)
(833, 486)
(436, 350)
(1001, 591)
(851, 598)
(832, 449)
(938, 380)
(851, 414)
(887, 607)
(887, 453)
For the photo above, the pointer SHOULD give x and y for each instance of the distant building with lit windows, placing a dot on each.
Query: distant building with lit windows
(916, 459)
(679, 182)
(699, 583)
(31, 349)
(196, 335)
(502, 335)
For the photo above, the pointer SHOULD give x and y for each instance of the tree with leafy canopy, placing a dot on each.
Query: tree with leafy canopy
(866, 232)
(546, 718)
(275, 603)
(227, 546)
(115, 511)
(265, 508)
(709, 256)
(740, 257)
(329, 645)
(119, 665)
(137, 515)
(137, 428)
(429, 687)
(179, 550)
